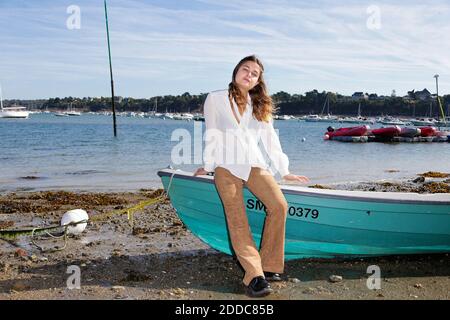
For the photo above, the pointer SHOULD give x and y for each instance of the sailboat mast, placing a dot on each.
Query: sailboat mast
(324, 105)
(1, 98)
(111, 73)
(328, 104)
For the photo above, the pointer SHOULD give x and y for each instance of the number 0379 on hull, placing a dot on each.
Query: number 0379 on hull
(321, 223)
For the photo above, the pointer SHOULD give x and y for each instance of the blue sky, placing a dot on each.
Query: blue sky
(166, 47)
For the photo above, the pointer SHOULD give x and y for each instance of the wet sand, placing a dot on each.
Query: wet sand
(158, 258)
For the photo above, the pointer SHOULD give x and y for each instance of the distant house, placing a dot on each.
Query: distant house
(360, 96)
(422, 95)
(373, 96)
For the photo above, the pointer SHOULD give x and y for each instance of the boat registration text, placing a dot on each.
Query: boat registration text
(301, 212)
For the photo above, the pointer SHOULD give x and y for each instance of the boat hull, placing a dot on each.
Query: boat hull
(388, 132)
(348, 132)
(428, 131)
(321, 223)
(14, 114)
(410, 132)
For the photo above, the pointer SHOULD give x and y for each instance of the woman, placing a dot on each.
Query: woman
(236, 120)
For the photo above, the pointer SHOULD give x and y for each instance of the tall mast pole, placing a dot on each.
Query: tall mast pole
(111, 73)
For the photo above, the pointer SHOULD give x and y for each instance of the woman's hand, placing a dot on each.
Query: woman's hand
(200, 172)
(293, 177)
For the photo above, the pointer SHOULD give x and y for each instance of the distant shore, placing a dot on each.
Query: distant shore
(415, 103)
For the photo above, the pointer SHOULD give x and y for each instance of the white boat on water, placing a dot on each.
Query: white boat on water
(73, 113)
(443, 122)
(183, 116)
(16, 112)
(168, 115)
(423, 122)
(61, 114)
(284, 117)
(392, 121)
(312, 118)
(69, 113)
(322, 117)
(356, 120)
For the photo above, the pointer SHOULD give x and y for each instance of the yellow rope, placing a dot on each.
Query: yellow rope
(11, 234)
(129, 211)
(141, 205)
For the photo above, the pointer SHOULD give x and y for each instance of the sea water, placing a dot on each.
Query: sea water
(46, 152)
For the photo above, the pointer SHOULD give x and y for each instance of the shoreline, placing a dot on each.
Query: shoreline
(158, 258)
(396, 184)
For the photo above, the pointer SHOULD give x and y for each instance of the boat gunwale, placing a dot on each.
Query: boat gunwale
(368, 196)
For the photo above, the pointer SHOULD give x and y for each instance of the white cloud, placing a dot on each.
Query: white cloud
(310, 44)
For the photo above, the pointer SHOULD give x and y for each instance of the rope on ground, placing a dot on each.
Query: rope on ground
(12, 234)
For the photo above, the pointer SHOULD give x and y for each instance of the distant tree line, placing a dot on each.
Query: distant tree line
(312, 102)
(181, 103)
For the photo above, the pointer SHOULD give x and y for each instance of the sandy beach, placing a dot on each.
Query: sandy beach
(155, 257)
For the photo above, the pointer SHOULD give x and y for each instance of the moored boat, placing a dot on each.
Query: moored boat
(444, 122)
(410, 132)
(428, 131)
(387, 132)
(392, 121)
(441, 136)
(423, 122)
(321, 223)
(346, 132)
(61, 114)
(15, 112)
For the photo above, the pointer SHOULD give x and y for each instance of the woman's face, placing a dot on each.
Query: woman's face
(248, 75)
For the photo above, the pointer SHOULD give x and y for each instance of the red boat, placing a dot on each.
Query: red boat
(346, 132)
(387, 132)
(427, 131)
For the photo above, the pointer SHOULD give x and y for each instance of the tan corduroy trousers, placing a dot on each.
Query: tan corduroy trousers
(262, 184)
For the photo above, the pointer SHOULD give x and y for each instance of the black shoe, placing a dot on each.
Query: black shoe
(272, 276)
(258, 287)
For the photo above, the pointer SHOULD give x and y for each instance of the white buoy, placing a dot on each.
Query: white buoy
(74, 216)
(303, 139)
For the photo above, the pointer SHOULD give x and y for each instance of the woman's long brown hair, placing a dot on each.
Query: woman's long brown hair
(263, 107)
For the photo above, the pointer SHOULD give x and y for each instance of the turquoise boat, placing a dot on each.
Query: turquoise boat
(321, 223)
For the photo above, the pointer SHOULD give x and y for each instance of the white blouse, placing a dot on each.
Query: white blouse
(233, 145)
